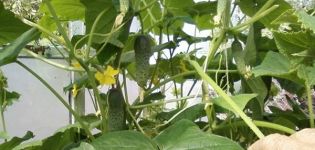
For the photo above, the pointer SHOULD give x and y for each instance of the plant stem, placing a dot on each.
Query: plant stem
(2, 99)
(260, 124)
(125, 86)
(64, 102)
(242, 26)
(55, 37)
(141, 23)
(180, 75)
(96, 93)
(162, 102)
(134, 120)
(310, 104)
(2, 116)
(59, 26)
(215, 44)
(113, 30)
(89, 73)
(228, 99)
(3, 122)
(91, 34)
(146, 6)
(192, 87)
(51, 62)
(149, 11)
(266, 5)
(59, 51)
(157, 60)
(93, 101)
(273, 126)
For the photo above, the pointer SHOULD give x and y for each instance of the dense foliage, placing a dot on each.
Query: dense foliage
(270, 45)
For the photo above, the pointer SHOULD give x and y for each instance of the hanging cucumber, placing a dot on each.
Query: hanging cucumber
(116, 110)
(237, 51)
(142, 47)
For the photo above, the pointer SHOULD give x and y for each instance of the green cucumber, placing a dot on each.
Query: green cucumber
(237, 51)
(116, 110)
(142, 47)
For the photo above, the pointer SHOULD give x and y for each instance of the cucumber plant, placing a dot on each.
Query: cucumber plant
(250, 41)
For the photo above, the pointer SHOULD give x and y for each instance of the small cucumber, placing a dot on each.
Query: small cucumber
(142, 47)
(116, 110)
(237, 51)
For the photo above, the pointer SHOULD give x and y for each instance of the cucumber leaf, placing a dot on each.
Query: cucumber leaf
(123, 140)
(186, 135)
(10, 26)
(10, 52)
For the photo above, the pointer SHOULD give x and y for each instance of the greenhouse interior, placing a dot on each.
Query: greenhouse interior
(157, 74)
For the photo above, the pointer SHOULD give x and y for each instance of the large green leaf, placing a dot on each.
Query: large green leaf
(48, 23)
(257, 85)
(84, 146)
(123, 140)
(293, 42)
(204, 22)
(63, 138)
(115, 39)
(15, 141)
(202, 8)
(191, 113)
(277, 65)
(203, 13)
(250, 51)
(287, 17)
(106, 22)
(176, 7)
(151, 16)
(10, 52)
(174, 16)
(66, 10)
(121, 6)
(10, 26)
(307, 73)
(34, 145)
(186, 135)
(250, 7)
(307, 20)
(298, 46)
(241, 101)
(274, 64)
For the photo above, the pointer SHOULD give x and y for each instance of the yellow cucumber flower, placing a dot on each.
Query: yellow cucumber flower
(76, 64)
(106, 77)
(75, 90)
